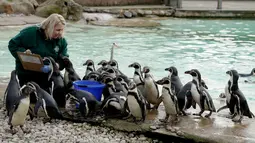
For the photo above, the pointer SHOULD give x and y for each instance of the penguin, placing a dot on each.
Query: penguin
(46, 102)
(57, 83)
(86, 102)
(19, 110)
(200, 94)
(94, 76)
(12, 93)
(252, 73)
(115, 66)
(123, 83)
(111, 72)
(138, 77)
(176, 83)
(135, 103)
(70, 75)
(235, 99)
(169, 99)
(90, 68)
(113, 105)
(151, 90)
(104, 64)
(204, 84)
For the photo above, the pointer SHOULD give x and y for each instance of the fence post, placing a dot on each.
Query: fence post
(219, 4)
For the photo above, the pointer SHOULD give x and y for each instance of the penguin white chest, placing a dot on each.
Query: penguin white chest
(151, 90)
(134, 107)
(169, 104)
(228, 95)
(195, 94)
(19, 116)
(137, 79)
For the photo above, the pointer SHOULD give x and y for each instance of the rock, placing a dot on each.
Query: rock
(5, 7)
(68, 8)
(148, 12)
(140, 12)
(123, 141)
(134, 13)
(127, 14)
(24, 6)
(161, 13)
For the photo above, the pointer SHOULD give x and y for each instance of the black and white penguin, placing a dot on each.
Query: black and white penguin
(104, 65)
(200, 94)
(112, 73)
(114, 64)
(176, 83)
(46, 102)
(169, 99)
(19, 110)
(12, 92)
(70, 74)
(90, 68)
(136, 104)
(235, 99)
(113, 104)
(94, 76)
(252, 73)
(138, 77)
(57, 83)
(84, 100)
(151, 90)
(123, 83)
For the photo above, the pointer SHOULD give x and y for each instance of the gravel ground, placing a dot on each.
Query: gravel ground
(59, 131)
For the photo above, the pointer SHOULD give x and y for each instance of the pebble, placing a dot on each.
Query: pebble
(59, 131)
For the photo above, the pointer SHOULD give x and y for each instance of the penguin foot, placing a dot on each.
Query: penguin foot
(237, 121)
(46, 120)
(208, 115)
(25, 131)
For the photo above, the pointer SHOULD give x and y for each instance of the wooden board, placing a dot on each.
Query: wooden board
(31, 62)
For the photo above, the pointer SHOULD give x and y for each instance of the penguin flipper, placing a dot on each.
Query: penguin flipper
(38, 104)
(221, 108)
(244, 75)
(156, 85)
(14, 108)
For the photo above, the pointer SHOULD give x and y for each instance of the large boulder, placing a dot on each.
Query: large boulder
(68, 8)
(5, 7)
(24, 6)
(18, 6)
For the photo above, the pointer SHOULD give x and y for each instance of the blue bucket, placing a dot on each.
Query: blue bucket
(94, 87)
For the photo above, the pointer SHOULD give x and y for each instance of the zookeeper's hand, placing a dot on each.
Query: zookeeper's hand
(46, 69)
(28, 51)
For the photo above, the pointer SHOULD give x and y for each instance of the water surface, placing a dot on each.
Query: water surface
(211, 46)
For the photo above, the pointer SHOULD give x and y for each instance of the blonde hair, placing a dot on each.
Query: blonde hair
(49, 23)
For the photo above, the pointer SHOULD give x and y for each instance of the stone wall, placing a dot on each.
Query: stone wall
(116, 2)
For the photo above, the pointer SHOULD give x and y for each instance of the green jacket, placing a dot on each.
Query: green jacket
(33, 38)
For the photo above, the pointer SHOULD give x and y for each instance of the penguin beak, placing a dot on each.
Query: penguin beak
(167, 69)
(132, 65)
(228, 72)
(159, 82)
(86, 63)
(187, 72)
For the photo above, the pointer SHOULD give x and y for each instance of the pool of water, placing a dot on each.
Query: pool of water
(211, 46)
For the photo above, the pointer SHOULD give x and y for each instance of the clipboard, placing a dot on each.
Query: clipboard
(31, 62)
